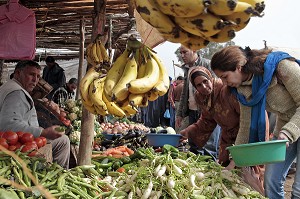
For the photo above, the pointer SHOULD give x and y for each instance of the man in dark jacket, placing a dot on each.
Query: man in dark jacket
(54, 75)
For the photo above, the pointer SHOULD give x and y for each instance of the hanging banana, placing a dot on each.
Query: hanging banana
(115, 73)
(120, 91)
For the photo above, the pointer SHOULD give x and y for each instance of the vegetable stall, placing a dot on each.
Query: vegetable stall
(114, 157)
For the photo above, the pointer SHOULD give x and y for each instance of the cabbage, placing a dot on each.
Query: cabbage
(170, 130)
(159, 128)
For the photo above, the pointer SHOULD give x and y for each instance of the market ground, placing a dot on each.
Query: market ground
(288, 186)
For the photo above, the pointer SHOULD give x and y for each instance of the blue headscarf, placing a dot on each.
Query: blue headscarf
(260, 85)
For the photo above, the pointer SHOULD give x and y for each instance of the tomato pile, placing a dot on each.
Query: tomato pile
(22, 140)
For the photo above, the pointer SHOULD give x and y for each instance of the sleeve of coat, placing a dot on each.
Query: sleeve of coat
(289, 73)
(200, 131)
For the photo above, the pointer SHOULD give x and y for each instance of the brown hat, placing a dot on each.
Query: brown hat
(200, 71)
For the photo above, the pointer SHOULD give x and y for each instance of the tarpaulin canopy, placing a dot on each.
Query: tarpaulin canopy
(17, 27)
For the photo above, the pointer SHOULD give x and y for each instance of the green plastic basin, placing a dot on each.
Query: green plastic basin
(258, 153)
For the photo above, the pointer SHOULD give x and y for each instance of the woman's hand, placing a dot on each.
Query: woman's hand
(282, 136)
(230, 166)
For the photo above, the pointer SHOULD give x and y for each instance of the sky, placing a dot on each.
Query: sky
(279, 26)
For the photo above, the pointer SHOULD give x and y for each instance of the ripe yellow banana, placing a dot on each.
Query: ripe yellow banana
(120, 91)
(222, 7)
(196, 42)
(204, 24)
(135, 99)
(85, 82)
(152, 96)
(177, 36)
(95, 52)
(95, 94)
(98, 51)
(129, 109)
(258, 5)
(146, 83)
(113, 108)
(115, 73)
(150, 12)
(90, 108)
(103, 52)
(226, 34)
(145, 101)
(163, 83)
(89, 55)
(180, 8)
(241, 17)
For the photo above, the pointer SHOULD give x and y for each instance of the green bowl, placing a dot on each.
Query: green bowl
(258, 153)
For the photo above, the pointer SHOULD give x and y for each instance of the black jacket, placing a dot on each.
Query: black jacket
(55, 76)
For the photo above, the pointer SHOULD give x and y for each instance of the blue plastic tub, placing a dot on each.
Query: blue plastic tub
(159, 140)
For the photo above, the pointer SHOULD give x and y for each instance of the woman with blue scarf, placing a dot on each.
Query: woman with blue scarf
(265, 80)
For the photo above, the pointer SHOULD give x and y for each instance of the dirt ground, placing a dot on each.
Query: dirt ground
(288, 186)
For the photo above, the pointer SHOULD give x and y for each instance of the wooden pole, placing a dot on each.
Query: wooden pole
(81, 53)
(87, 122)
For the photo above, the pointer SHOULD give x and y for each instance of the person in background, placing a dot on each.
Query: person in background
(265, 81)
(188, 106)
(18, 113)
(71, 86)
(54, 75)
(174, 97)
(62, 94)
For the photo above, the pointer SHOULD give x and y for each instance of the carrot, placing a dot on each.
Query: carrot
(129, 151)
(117, 155)
(121, 170)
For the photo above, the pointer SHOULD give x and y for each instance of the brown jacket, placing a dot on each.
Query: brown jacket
(223, 110)
(283, 98)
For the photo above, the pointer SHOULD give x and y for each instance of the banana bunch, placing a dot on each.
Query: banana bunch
(195, 23)
(136, 77)
(96, 53)
(135, 74)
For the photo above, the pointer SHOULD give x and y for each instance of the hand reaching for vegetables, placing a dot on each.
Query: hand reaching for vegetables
(52, 133)
(230, 166)
(185, 135)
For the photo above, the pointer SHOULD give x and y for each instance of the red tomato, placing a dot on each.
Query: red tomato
(18, 145)
(3, 143)
(32, 153)
(27, 137)
(44, 140)
(11, 137)
(29, 146)
(1, 133)
(12, 148)
(39, 142)
(20, 134)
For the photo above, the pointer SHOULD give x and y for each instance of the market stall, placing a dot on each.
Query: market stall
(114, 156)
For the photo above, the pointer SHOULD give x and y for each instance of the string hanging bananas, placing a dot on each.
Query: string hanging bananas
(213, 20)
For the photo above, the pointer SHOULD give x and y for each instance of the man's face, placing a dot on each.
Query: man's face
(28, 77)
(72, 87)
(187, 55)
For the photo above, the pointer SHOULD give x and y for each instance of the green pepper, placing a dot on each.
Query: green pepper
(105, 166)
(167, 148)
(125, 160)
(117, 164)
(138, 155)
